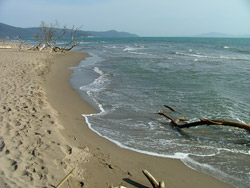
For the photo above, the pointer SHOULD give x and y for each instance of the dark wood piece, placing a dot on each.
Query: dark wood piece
(206, 122)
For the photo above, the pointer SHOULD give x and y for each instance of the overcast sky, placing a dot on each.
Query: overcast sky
(142, 17)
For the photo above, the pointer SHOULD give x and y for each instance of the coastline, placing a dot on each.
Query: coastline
(110, 164)
(52, 137)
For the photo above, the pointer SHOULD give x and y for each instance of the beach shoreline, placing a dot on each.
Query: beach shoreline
(98, 162)
(110, 163)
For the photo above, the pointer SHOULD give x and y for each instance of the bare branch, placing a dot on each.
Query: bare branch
(21, 42)
(50, 35)
(153, 181)
(204, 122)
(170, 108)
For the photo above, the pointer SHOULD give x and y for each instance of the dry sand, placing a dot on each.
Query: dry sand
(33, 153)
(43, 135)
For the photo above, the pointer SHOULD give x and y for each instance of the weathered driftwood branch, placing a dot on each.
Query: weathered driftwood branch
(65, 179)
(216, 122)
(153, 181)
(170, 108)
(21, 42)
(168, 117)
(5, 47)
(206, 122)
(42, 47)
(182, 118)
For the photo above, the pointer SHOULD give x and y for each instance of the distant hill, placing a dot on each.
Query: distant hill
(12, 32)
(7, 31)
(111, 33)
(221, 35)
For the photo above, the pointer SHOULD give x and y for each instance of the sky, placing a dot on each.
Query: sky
(142, 17)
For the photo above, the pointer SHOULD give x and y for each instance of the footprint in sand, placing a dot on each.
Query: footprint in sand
(13, 165)
(67, 149)
(2, 144)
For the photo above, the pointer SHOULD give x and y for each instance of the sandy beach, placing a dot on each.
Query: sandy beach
(43, 135)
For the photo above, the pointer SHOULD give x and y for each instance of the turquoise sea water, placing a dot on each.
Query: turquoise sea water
(130, 79)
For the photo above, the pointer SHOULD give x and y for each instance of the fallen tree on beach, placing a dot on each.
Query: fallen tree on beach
(202, 121)
(55, 39)
(50, 35)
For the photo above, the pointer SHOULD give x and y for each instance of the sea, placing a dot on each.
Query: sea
(129, 80)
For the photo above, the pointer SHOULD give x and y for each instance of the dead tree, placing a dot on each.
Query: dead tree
(21, 43)
(50, 35)
(74, 35)
(204, 122)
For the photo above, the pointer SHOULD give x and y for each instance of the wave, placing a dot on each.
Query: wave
(139, 53)
(129, 48)
(111, 47)
(184, 157)
(98, 70)
(233, 151)
(194, 55)
(212, 57)
(233, 49)
(175, 156)
(98, 83)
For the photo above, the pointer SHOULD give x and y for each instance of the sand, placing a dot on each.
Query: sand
(43, 135)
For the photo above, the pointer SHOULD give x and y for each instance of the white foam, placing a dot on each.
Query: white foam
(175, 156)
(234, 151)
(98, 83)
(194, 55)
(84, 42)
(111, 47)
(139, 53)
(129, 48)
(97, 70)
(212, 57)
(102, 111)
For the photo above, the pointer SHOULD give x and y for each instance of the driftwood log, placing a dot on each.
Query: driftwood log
(153, 181)
(203, 122)
(65, 179)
